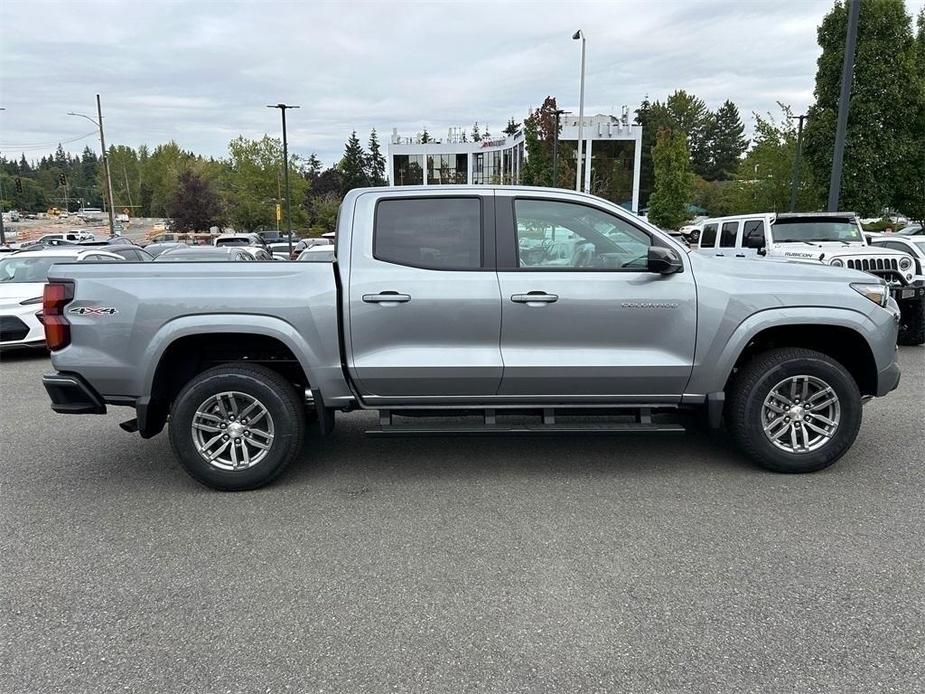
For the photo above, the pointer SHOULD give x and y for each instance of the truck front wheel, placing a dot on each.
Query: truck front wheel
(794, 410)
(236, 427)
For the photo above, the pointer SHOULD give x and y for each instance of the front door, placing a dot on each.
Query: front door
(424, 306)
(582, 318)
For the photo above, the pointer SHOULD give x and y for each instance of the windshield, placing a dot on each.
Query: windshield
(913, 230)
(920, 244)
(808, 229)
(14, 270)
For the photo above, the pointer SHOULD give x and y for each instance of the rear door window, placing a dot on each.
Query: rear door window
(727, 238)
(753, 234)
(429, 233)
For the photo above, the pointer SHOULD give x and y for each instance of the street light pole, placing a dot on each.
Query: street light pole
(841, 126)
(581, 108)
(282, 109)
(99, 124)
(795, 181)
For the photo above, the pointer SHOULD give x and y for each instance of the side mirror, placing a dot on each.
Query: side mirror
(664, 261)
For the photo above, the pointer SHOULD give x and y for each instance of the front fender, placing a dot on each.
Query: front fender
(717, 354)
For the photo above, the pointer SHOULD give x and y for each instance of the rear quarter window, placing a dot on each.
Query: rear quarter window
(708, 237)
(429, 233)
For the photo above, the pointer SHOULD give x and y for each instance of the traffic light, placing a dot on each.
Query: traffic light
(62, 180)
(18, 184)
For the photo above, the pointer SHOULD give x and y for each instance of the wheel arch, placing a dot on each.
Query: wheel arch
(188, 346)
(843, 341)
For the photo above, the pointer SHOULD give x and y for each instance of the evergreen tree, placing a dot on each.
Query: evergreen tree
(24, 168)
(883, 149)
(646, 175)
(727, 143)
(425, 136)
(673, 180)
(353, 165)
(312, 167)
(512, 127)
(476, 133)
(536, 168)
(910, 198)
(375, 162)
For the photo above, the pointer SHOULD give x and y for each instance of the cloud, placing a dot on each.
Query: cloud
(202, 72)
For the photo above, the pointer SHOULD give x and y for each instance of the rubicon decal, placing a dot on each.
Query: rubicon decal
(93, 311)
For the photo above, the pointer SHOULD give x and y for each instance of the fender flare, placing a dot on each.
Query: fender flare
(714, 379)
(246, 323)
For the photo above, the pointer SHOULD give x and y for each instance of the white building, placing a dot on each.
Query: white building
(613, 146)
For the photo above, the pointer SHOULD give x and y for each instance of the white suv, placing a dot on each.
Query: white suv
(830, 238)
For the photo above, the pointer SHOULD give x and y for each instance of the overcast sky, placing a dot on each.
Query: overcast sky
(202, 72)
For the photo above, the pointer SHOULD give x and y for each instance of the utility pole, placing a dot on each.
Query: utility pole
(555, 152)
(795, 181)
(112, 220)
(847, 76)
(2, 230)
(581, 108)
(282, 109)
(99, 124)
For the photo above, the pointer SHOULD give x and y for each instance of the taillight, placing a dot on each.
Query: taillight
(57, 295)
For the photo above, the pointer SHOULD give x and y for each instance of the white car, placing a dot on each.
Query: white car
(22, 281)
(257, 253)
(239, 240)
(317, 254)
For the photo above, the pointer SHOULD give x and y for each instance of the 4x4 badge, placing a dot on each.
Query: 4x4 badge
(93, 311)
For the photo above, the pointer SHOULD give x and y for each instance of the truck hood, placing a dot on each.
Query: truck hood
(833, 250)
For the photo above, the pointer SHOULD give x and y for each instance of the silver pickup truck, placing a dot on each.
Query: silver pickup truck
(473, 310)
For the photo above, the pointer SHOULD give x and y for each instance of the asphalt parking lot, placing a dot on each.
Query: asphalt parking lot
(504, 565)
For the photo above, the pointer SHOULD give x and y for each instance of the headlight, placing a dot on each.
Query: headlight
(33, 300)
(878, 293)
(837, 263)
(905, 263)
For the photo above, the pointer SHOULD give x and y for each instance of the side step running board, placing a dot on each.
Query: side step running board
(547, 426)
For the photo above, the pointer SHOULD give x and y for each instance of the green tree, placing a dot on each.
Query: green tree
(195, 205)
(425, 136)
(352, 165)
(512, 127)
(252, 183)
(476, 133)
(671, 159)
(883, 151)
(375, 162)
(726, 142)
(910, 195)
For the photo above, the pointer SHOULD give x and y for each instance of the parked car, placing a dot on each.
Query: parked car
(239, 240)
(431, 308)
(60, 239)
(22, 279)
(834, 239)
(309, 243)
(912, 230)
(271, 237)
(156, 249)
(317, 254)
(257, 253)
(204, 254)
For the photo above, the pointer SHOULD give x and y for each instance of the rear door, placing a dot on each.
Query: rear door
(591, 324)
(423, 299)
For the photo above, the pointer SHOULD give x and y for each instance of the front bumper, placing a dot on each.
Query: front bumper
(912, 291)
(888, 379)
(71, 394)
(20, 326)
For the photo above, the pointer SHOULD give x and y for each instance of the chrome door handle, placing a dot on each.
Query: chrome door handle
(535, 298)
(386, 298)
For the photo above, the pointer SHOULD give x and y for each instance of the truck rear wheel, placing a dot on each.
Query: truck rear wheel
(237, 427)
(794, 410)
(912, 322)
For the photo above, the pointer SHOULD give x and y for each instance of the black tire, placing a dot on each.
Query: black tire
(753, 384)
(273, 392)
(911, 322)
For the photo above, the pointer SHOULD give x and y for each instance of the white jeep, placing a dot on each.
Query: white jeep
(830, 238)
